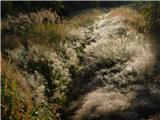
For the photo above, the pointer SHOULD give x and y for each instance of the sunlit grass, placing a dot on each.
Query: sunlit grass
(130, 16)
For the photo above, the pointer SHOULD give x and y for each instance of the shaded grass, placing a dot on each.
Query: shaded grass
(84, 18)
(57, 35)
(17, 102)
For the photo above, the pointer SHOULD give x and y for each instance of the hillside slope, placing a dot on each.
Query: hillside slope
(98, 65)
(113, 81)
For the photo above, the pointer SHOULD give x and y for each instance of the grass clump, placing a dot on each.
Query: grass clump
(44, 80)
(131, 17)
(23, 21)
(15, 105)
(47, 33)
(34, 27)
(48, 69)
(85, 18)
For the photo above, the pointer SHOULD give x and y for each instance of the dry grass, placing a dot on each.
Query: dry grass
(139, 53)
(100, 102)
(42, 55)
(114, 38)
(11, 72)
(23, 21)
(85, 18)
(130, 16)
(17, 97)
(33, 27)
(15, 104)
(117, 37)
(34, 31)
(118, 41)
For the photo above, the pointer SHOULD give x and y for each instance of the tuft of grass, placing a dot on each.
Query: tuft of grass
(23, 21)
(17, 102)
(46, 33)
(23, 30)
(115, 60)
(85, 18)
(34, 27)
(131, 17)
(14, 104)
(91, 109)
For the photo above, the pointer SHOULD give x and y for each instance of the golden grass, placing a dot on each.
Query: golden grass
(137, 51)
(18, 106)
(101, 102)
(48, 33)
(130, 16)
(11, 72)
(16, 101)
(57, 34)
(84, 18)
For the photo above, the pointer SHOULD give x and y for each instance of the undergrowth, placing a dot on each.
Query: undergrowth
(48, 63)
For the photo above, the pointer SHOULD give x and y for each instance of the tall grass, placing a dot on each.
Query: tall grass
(15, 105)
(131, 17)
(116, 59)
(84, 18)
(36, 81)
(46, 60)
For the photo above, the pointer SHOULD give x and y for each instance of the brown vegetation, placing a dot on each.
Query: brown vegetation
(94, 65)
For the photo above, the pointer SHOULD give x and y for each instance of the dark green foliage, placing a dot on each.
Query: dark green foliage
(153, 14)
(151, 10)
(61, 7)
(7, 8)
